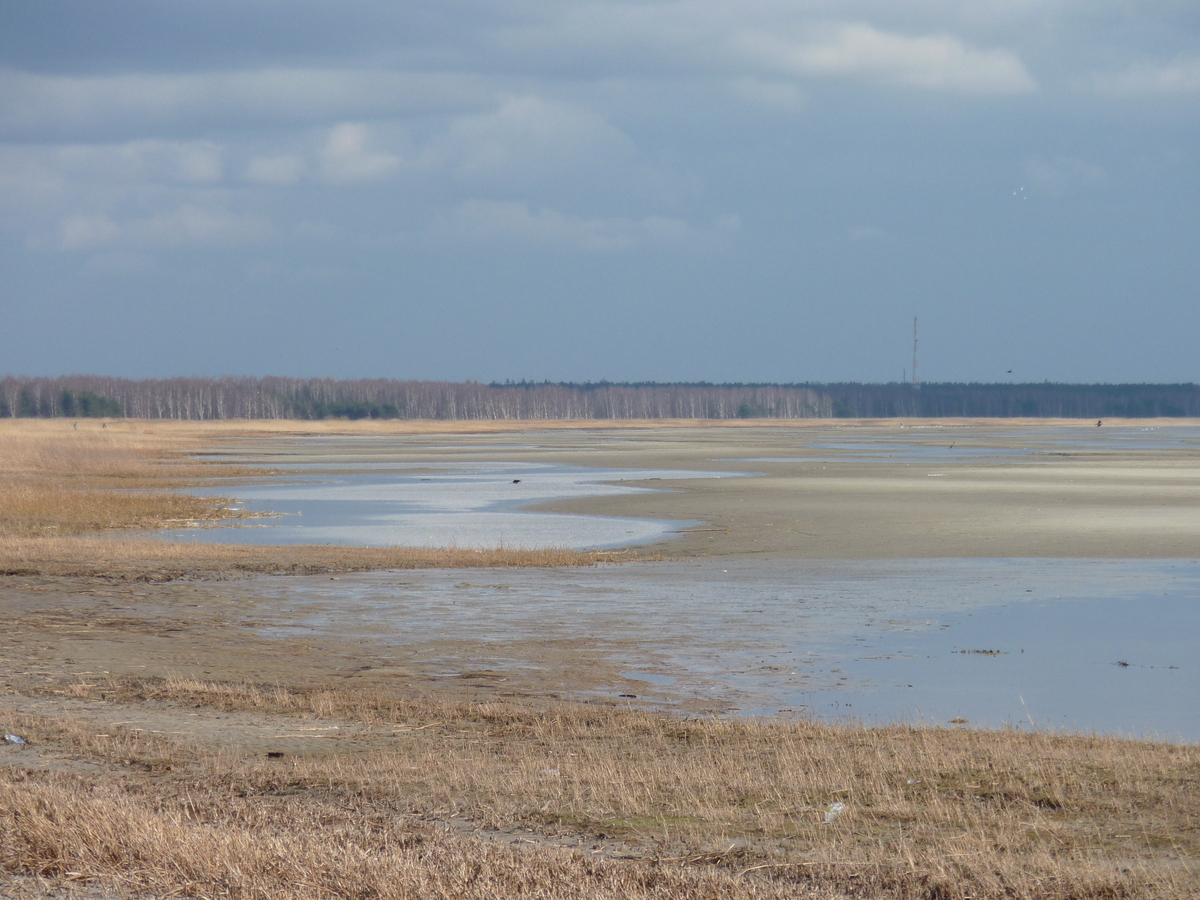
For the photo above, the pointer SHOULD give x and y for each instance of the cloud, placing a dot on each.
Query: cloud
(345, 158)
(1181, 78)
(191, 225)
(935, 62)
(178, 162)
(80, 196)
(915, 45)
(491, 221)
(525, 140)
(138, 103)
(188, 225)
(281, 170)
(529, 139)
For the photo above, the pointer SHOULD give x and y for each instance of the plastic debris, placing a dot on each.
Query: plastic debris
(833, 811)
(15, 739)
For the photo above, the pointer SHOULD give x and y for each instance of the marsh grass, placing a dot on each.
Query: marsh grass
(55, 482)
(703, 807)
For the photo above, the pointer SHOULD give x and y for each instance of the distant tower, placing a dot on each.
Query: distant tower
(916, 375)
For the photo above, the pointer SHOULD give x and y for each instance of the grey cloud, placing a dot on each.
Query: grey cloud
(140, 103)
(348, 157)
(523, 141)
(746, 40)
(76, 189)
(938, 62)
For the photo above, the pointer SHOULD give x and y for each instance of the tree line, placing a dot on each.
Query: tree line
(319, 398)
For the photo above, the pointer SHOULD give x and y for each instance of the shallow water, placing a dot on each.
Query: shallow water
(444, 504)
(875, 641)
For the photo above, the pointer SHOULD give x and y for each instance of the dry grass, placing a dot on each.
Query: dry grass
(127, 842)
(124, 560)
(57, 482)
(707, 808)
(60, 487)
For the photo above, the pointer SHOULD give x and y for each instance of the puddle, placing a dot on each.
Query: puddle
(431, 505)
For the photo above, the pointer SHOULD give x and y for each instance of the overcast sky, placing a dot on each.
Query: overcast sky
(721, 190)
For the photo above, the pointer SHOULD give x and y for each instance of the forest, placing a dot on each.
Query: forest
(79, 396)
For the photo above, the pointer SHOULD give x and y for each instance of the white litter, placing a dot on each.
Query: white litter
(14, 739)
(833, 811)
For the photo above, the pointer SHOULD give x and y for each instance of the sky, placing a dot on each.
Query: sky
(630, 190)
